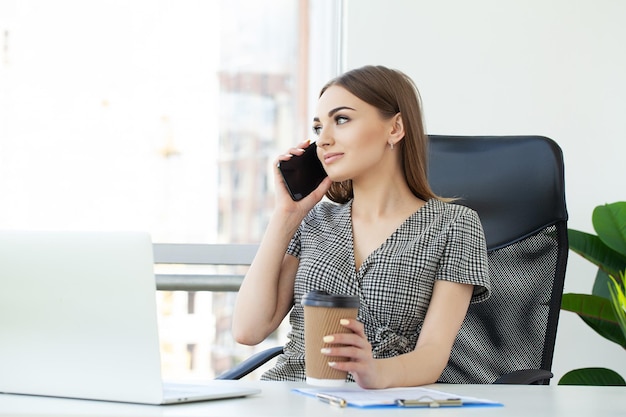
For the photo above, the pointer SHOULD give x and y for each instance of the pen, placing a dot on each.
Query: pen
(430, 402)
(331, 399)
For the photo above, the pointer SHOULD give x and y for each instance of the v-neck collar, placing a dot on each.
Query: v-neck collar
(397, 236)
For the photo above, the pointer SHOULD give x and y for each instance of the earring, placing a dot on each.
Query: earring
(391, 145)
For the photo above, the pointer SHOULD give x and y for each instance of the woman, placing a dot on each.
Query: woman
(415, 260)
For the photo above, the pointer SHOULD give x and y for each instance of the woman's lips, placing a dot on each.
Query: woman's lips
(332, 157)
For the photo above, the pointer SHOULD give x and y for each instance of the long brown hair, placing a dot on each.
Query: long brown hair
(391, 92)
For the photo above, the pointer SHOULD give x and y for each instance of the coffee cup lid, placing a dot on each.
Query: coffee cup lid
(318, 298)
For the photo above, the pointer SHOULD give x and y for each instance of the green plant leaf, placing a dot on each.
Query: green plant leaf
(618, 299)
(594, 250)
(609, 222)
(603, 310)
(598, 313)
(601, 285)
(610, 331)
(592, 376)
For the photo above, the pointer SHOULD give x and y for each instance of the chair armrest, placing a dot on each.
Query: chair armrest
(526, 377)
(251, 363)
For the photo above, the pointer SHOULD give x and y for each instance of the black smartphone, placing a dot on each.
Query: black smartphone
(302, 174)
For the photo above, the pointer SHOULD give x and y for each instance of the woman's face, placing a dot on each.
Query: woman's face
(352, 136)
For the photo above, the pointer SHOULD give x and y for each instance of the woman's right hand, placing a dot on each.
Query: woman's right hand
(284, 202)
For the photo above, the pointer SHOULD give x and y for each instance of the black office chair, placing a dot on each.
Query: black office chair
(516, 184)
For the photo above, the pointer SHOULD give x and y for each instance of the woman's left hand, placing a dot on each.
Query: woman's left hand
(358, 354)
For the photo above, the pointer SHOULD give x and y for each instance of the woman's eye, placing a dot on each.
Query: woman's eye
(317, 130)
(341, 120)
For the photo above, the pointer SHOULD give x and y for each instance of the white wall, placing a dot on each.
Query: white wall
(550, 67)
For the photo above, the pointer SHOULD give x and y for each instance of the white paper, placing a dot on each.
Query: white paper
(359, 397)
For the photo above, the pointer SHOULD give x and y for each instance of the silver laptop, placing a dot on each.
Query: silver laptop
(78, 319)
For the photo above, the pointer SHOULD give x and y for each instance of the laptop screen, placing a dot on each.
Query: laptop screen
(78, 315)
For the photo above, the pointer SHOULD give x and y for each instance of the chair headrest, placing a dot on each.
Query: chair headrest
(515, 183)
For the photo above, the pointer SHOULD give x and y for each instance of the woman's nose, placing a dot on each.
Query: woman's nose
(324, 138)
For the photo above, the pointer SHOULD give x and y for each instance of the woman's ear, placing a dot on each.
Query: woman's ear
(397, 128)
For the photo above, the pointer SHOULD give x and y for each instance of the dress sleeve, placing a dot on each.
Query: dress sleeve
(465, 256)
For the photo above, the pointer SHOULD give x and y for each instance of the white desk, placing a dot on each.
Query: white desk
(278, 400)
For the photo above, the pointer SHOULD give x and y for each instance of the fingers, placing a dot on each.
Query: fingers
(291, 152)
(287, 156)
(353, 345)
(351, 352)
(298, 150)
(358, 333)
(282, 193)
(354, 325)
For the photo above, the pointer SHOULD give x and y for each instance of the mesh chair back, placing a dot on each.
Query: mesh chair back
(516, 184)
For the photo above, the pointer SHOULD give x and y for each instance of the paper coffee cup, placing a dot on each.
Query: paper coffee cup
(322, 313)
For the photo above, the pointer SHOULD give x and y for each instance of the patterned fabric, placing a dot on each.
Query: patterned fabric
(440, 241)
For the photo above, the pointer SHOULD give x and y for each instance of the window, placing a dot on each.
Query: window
(159, 116)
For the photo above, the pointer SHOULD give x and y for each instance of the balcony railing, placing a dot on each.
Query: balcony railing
(201, 267)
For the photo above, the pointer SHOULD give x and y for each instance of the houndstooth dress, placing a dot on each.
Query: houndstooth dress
(440, 241)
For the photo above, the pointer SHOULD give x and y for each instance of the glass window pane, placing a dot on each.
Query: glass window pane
(159, 116)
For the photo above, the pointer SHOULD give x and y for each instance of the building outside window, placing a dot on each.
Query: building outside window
(160, 116)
